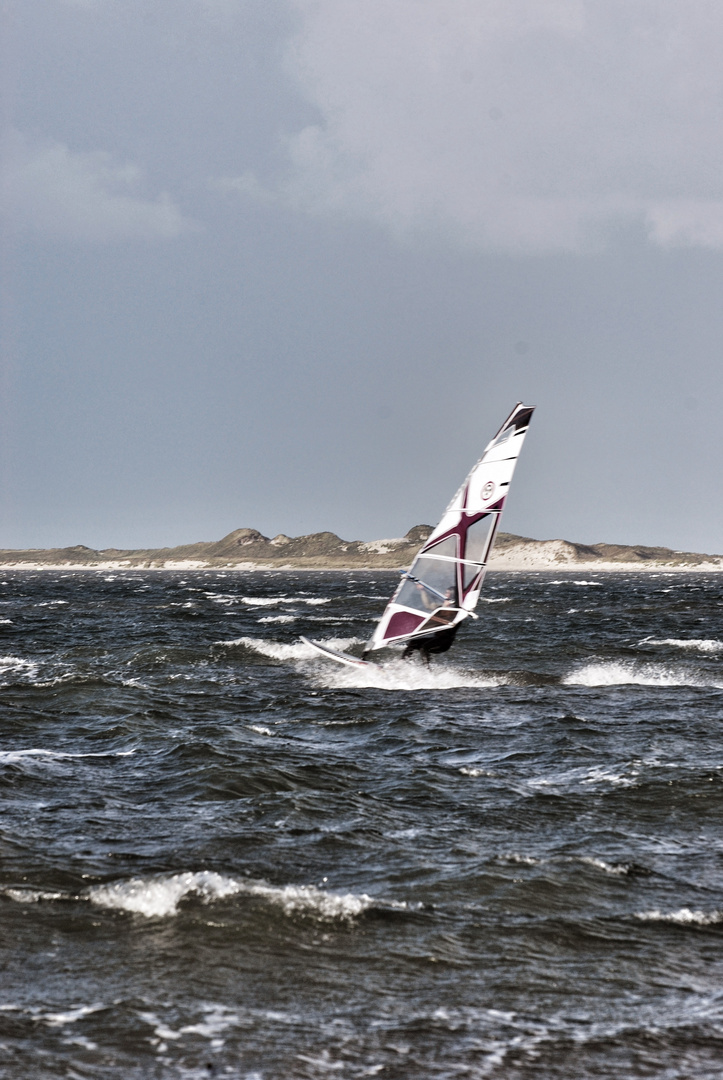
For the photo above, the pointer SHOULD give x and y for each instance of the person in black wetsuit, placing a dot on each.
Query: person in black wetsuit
(430, 644)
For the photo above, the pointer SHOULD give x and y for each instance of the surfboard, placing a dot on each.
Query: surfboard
(341, 657)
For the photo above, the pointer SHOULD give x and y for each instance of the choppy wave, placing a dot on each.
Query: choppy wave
(160, 897)
(16, 665)
(623, 672)
(11, 757)
(704, 645)
(682, 917)
(615, 869)
(277, 619)
(25, 895)
(273, 601)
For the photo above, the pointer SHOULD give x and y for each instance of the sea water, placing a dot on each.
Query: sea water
(223, 855)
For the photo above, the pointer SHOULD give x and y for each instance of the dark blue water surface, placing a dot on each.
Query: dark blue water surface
(223, 856)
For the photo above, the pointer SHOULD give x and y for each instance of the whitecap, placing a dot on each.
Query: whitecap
(60, 1019)
(704, 645)
(524, 860)
(159, 897)
(620, 673)
(266, 601)
(682, 917)
(32, 896)
(277, 619)
(272, 601)
(10, 757)
(16, 665)
(608, 868)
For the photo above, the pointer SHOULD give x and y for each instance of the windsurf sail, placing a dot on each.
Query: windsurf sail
(442, 586)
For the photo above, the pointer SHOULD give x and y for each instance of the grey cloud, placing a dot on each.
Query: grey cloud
(49, 189)
(510, 125)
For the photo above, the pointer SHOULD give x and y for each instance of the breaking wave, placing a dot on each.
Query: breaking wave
(682, 917)
(272, 601)
(704, 645)
(615, 869)
(160, 897)
(16, 665)
(11, 757)
(621, 673)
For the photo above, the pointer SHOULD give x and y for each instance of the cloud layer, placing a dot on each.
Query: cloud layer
(48, 189)
(517, 125)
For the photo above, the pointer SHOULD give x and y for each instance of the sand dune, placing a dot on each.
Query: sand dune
(248, 549)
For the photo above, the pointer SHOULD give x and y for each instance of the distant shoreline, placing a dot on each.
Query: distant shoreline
(248, 550)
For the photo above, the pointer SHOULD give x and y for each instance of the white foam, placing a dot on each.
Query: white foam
(608, 868)
(32, 896)
(704, 645)
(9, 757)
(400, 675)
(62, 1018)
(597, 584)
(272, 601)
(616, 869)
(266, 601)
(297, 650)
(260, 730)
(277, 619)
(525, 860)
(598, 775)
(496, 599)
(682, 917)
(16, 665)
(620, 673)
(159, 897)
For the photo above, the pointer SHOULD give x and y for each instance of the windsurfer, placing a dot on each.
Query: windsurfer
(430, 645)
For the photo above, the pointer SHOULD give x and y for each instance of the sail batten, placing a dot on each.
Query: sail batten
(442, 586)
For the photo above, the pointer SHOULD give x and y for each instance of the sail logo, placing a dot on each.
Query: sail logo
(487, 491)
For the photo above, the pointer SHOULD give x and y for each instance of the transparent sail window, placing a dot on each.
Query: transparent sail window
(447, 547)
(430, 584)
(478, 538)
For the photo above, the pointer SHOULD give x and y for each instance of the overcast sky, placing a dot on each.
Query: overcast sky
(288, 264)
